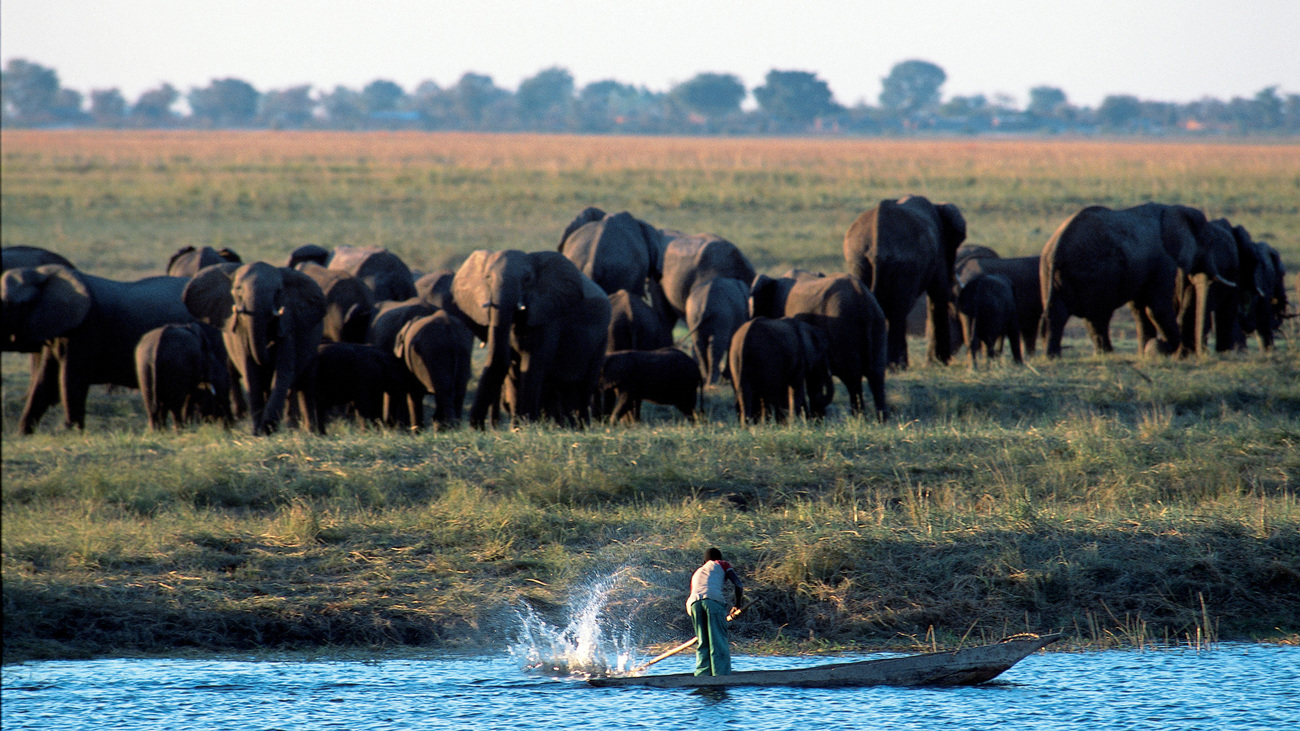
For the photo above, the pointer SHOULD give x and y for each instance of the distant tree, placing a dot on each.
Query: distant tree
(29, 92)
(1046, 101)
(1119, 111)
(710, 95)
(608, 105)
(225, 102)
(1268, 106)
(474, 97)
(290, 108)
(68, 106)
(154, 107)
(382, 95)
(794, 96)
(1291, 113)
(912, 88)
(344, 108)
(433, 104)
(107, 107)
(546, 96)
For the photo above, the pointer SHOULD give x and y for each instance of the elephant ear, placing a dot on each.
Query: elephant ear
(556, 290)
(954, 227)
(61, 301)
(1178, 227)
(654, 248)
(589, 214)
(207, 296)
(762, 297)
(303, 296)
(469, 287)
(179, 253)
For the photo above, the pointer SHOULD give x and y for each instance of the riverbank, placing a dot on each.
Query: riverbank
(1124, 502)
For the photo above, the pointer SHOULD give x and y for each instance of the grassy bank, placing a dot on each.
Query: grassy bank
(1121, 499)
(1082, 497)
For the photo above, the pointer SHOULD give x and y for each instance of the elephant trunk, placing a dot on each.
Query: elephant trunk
(498, 364)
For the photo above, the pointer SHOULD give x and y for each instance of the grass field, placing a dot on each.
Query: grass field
(1121, 499)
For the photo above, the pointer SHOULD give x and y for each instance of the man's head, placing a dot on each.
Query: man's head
(713, 554)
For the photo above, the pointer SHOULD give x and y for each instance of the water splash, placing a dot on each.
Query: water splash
(590, 645)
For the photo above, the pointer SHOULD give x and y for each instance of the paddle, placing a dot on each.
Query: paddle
(735, 612)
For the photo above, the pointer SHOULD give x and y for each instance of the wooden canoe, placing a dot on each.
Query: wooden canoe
(961, 667)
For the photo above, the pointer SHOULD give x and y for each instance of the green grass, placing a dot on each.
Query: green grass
(1122, 499)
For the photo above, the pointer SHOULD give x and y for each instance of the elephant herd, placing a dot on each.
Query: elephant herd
(586, 331)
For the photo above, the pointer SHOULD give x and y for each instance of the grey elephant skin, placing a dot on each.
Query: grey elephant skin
(26, 257)
(182, 372)
(188, 260)
(664, 376)
(361, 378)
(854, 324)
(616, 251)
(271, 321)
(1099, 259)
(690, 260)
(900, 250)
(1021, 272)
(436, 350)
(1231, 293)
(383, 272)
(85, 328)
(1265, 313)
(391, 317)
(986, 305)
(634, 324)
(349, 303)
(780, 370)
(715, 310)
(526, 307)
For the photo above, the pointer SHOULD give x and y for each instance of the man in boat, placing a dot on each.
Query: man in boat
(708, 610)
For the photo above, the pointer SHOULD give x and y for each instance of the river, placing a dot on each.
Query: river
(1236, 686)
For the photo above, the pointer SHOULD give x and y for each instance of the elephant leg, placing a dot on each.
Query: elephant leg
(623, 406)
(897, 341)
(42, 389)
(1099, 330)
(1145, 330)
(1013, 340)
(1053, 326)
(74, 385)
(939, 349)
(876, 382)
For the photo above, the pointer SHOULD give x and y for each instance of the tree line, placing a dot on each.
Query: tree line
(788, 102)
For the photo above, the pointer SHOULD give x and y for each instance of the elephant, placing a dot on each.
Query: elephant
(359, 376)
(844, 309)
(689, 260)
(182, 371)
(986, 305)
(383, 272)
(901, 249)
(28, 257)
(435, 288)
(187, 261)
(1099, 258)
(308, 252)
(715, 309)
(1021, 272)
(663, 376)
(391, 317)
(436, 350)
(532, 305)
(85, 329)
(634, 325)
(271, 319)
(780, 369)
(1225, 298)
(349, 304)
(1264, 314)
(615, 251)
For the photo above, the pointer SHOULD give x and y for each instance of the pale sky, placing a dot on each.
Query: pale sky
(1166, 50)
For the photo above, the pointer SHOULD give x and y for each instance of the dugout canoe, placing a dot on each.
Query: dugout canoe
(960, 667)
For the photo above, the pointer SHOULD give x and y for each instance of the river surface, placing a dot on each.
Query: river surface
(1231, 687)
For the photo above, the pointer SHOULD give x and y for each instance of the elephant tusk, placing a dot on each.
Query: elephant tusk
(1225, 282)
(1261, 292)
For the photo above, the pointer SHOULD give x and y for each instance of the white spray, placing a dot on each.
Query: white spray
(589, 645)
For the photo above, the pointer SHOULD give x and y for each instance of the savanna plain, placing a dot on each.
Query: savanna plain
(1124, 500)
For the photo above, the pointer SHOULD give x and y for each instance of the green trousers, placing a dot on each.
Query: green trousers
(712, 655)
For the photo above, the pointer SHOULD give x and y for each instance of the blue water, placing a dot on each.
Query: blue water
(1233, 687)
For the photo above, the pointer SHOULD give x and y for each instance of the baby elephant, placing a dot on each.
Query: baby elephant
(780, 369)
(436, 350)
(665, 376)
(356, 377)
(986, 304)
(182, 371)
